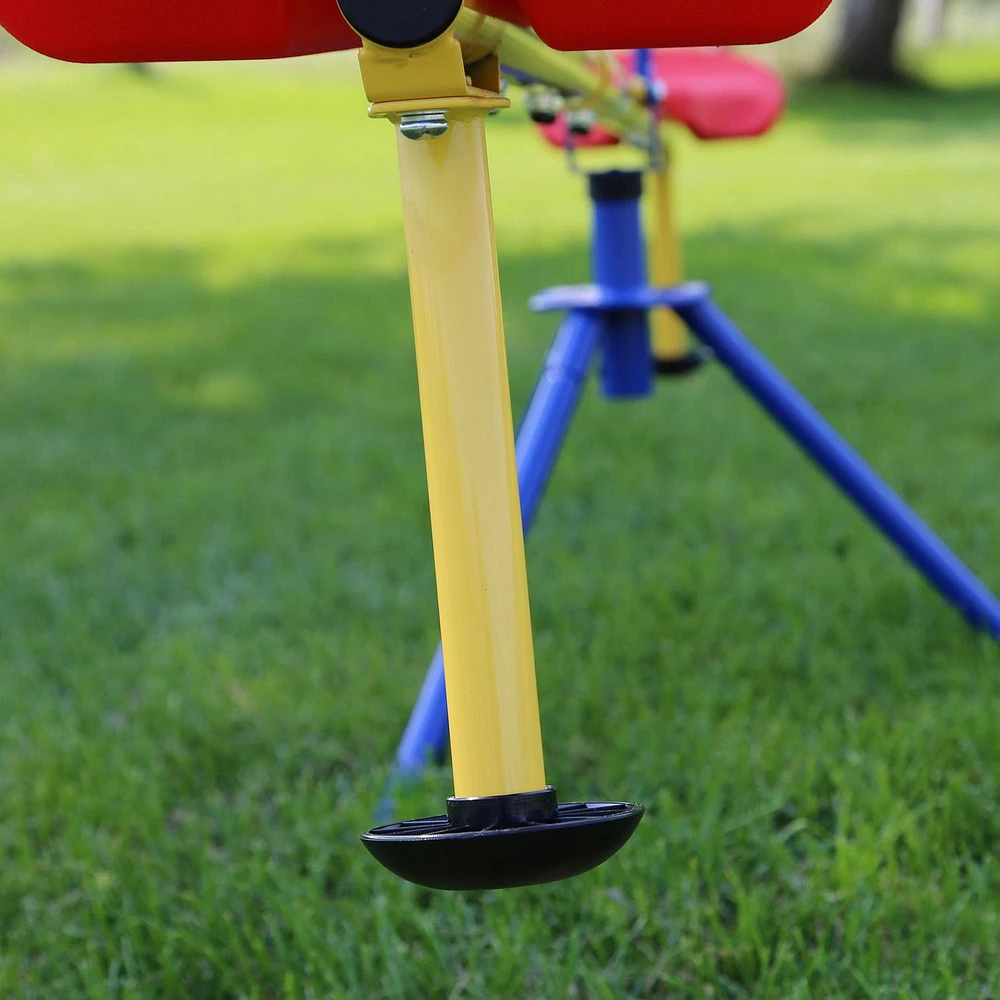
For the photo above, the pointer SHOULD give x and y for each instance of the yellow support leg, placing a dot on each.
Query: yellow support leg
(504, 826)
(669, 335)
(482, 585)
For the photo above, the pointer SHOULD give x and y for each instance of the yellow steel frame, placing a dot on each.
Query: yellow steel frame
(462, 368)
(669, 334)
(570, 72)
(466, 414)
(625, 113)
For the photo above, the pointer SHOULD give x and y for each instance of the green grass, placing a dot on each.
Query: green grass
(216, 596)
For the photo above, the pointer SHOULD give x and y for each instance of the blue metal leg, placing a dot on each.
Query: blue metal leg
(539, 441)
(618, 262)
(942, 568)
(426, 735)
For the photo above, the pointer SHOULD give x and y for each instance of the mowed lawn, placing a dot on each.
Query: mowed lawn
(216, 588)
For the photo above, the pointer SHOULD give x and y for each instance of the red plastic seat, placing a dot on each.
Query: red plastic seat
(178, 30)
(613, 24)
(716, 94)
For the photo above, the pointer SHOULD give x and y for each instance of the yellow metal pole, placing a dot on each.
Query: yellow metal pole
(438, 102)
(669, 334)
(570, 72)
(471, 475)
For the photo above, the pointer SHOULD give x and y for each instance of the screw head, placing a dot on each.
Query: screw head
(580, 121)
(543, 104)
(423, 124)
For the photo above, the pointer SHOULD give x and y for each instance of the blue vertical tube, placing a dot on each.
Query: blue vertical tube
(644, 65)
(539, 441)
(618, 260)
(792, 411)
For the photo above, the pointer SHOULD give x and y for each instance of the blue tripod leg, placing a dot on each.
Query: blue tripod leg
(793, 412)
(539, 441)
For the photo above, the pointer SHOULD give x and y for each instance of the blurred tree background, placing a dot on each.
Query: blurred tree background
(867, 49)
(867, 41)
(870, 39)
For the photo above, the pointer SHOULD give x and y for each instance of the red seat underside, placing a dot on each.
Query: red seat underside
(715, 94)
(179, 30)
(613, 24)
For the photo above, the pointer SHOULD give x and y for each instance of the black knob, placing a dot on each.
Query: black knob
(400, 24)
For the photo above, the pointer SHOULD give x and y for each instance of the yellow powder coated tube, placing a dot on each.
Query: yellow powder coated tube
(571, 72)
(482, 585)
(670, 336)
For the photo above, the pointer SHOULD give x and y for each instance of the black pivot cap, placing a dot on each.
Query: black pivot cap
(686, 364)
(400, 24)
(616, 185)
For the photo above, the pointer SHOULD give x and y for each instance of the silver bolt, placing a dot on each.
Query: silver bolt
(543, 104)
(423, 124)
(580, 120)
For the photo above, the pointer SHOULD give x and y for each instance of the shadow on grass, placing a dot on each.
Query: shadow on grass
(96, 336)
(142, 365)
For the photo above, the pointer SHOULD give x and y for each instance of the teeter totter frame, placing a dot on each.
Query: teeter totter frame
(434, 71)
(594, 329)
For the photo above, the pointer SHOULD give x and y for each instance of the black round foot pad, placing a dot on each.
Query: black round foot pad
(683, 365)
(433, 853)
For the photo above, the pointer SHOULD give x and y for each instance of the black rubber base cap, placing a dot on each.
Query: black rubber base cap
(433, 853)
(684, 365)
(616, 185)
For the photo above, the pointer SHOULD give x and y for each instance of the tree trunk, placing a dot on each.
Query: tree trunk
(933, 11)
(866, 51)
